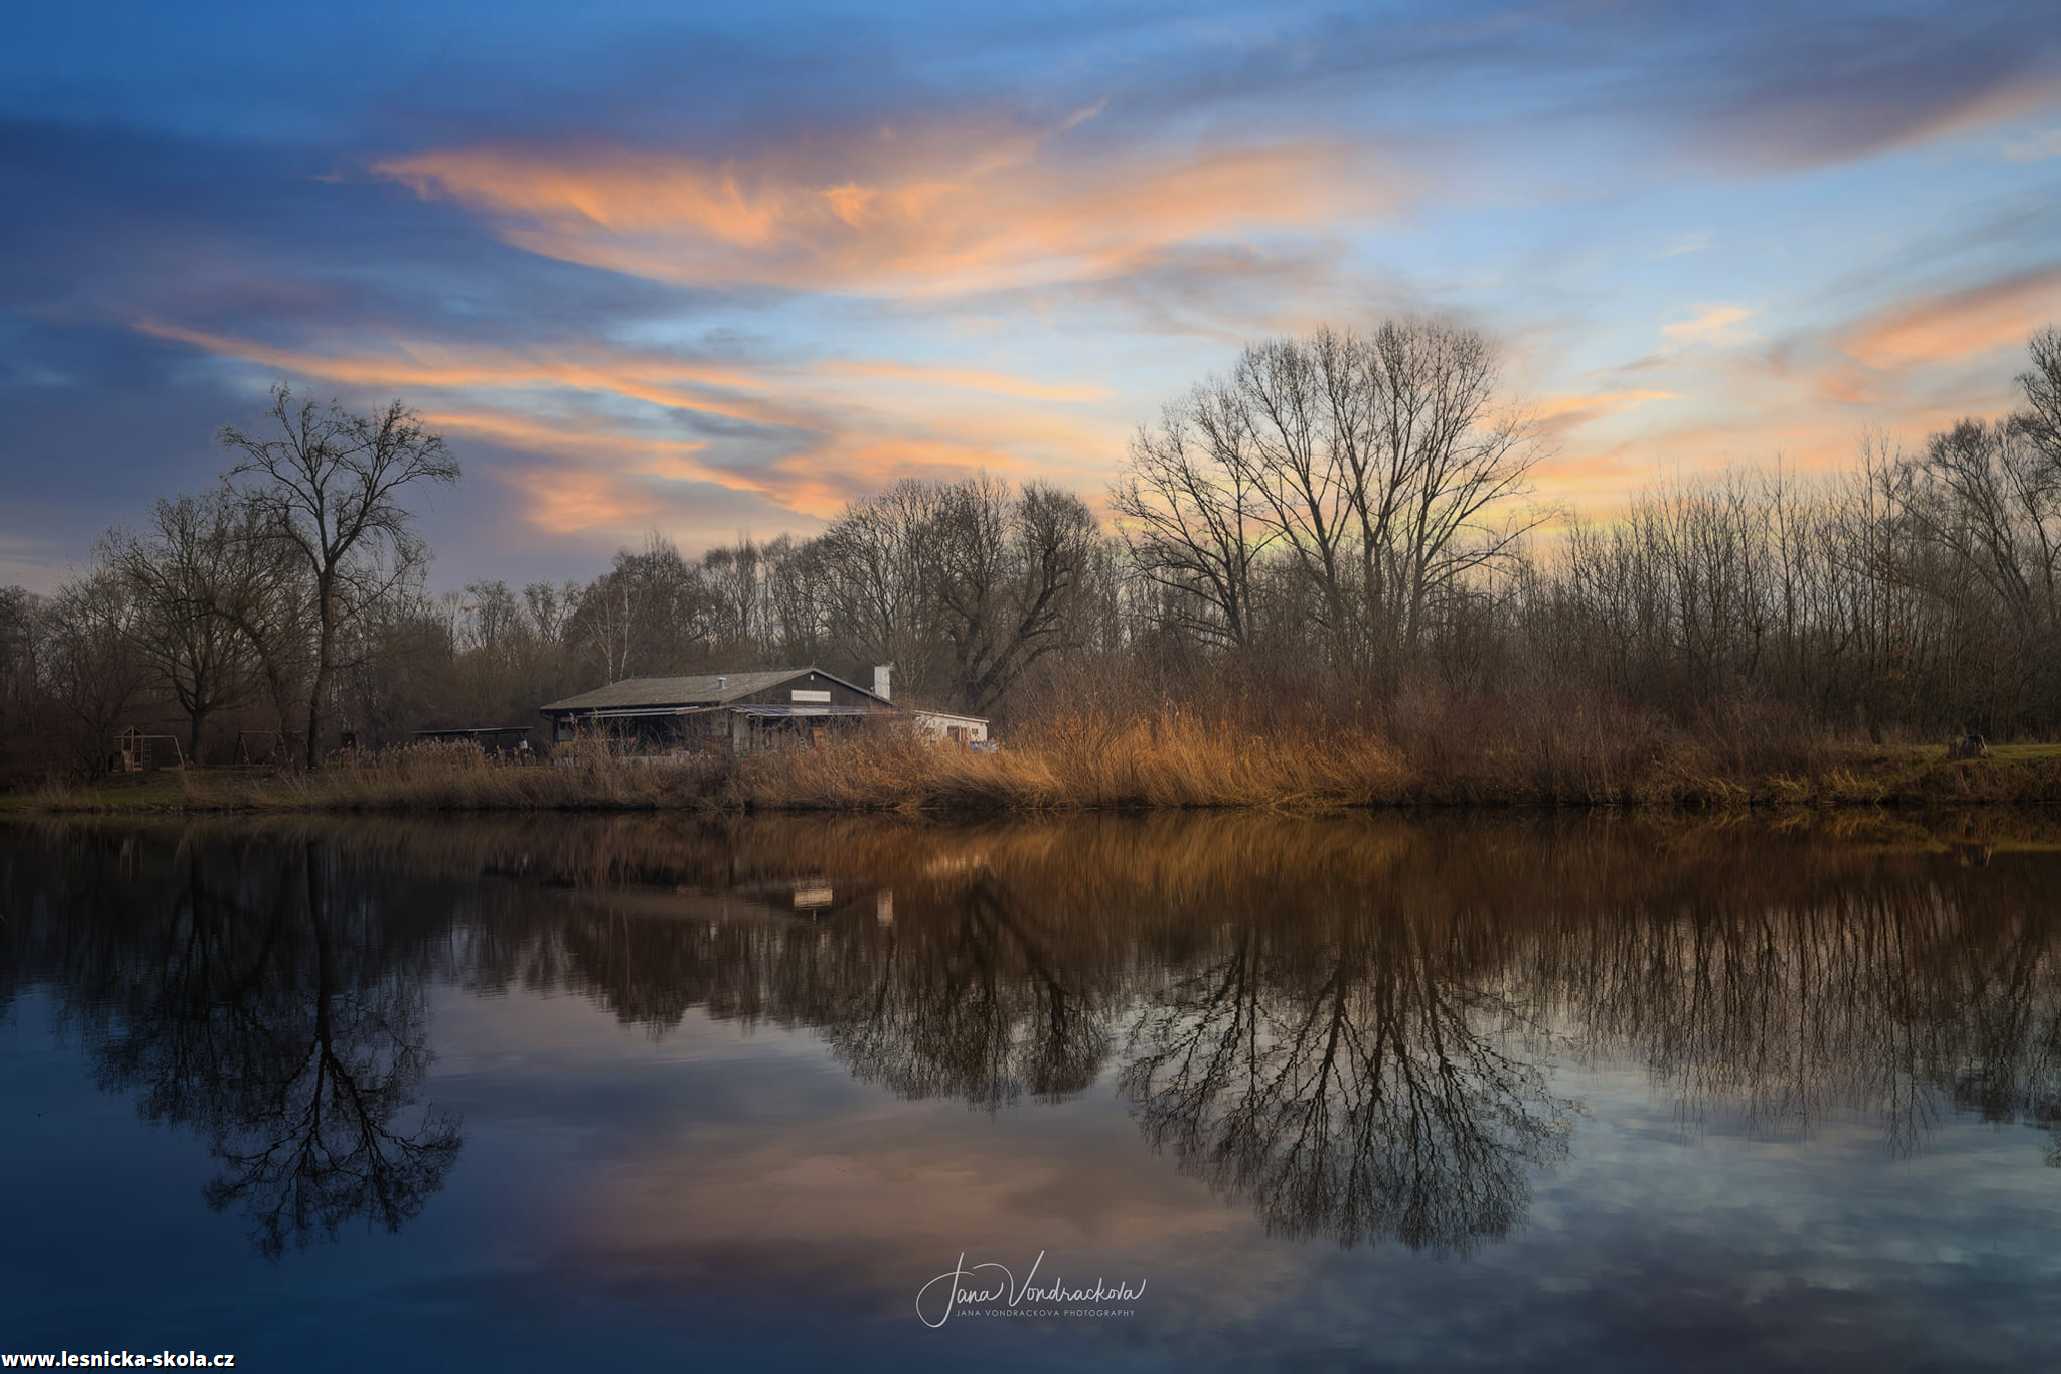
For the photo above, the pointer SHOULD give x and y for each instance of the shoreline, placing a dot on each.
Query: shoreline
(865, 779)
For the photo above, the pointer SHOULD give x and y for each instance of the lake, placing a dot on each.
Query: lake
(1522, 1092)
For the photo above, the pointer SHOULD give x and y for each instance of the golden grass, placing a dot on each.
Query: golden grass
(1161, 761)
(1168, 759)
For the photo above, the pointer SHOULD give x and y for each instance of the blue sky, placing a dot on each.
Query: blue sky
(714, 271)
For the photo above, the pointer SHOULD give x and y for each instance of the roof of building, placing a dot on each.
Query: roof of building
(940, 713)
(706, 689)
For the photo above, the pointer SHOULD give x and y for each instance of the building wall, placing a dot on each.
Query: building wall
(942, 725)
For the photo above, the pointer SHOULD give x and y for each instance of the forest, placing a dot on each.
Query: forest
(1338, 539)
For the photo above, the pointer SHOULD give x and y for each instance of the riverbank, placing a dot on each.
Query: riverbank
(1159, 763)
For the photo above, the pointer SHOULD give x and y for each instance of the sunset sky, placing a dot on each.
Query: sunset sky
(714, 270)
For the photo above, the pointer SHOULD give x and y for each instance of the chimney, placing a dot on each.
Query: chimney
(881, 673)
(722, 682)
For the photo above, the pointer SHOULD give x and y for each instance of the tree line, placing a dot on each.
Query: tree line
(1338, 526)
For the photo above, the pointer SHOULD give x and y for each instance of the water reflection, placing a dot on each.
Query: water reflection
(1350, 1026)
(244, 991)
(1353, 1083)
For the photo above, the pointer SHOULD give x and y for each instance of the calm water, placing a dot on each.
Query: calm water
(1365, 1092)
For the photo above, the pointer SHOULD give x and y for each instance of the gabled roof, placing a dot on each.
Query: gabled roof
(706, 689)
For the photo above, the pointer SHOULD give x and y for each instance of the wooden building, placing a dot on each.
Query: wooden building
(743, 711)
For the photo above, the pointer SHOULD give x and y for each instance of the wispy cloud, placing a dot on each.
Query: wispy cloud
(922, 211)
(399, 362)
(804, 436)
(1559, 414)
(1710, 324)
(1950, 326)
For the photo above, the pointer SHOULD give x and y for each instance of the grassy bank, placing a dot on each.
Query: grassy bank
(1168, 760)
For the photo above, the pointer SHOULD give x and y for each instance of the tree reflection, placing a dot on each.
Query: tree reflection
(1347, 1025)
(1904, 999)
(979, 1009)
(328, 1077)
(242, 1003)
(1370, 1095)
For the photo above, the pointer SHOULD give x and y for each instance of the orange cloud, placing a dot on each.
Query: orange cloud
(402, 363)
(1559, 414)
(674, 458)
(1710, 324)
(821, 479)
(590, 487)
(1961, 324)
(651, 378)
(594, 485)
(929, 210)
(558, 501)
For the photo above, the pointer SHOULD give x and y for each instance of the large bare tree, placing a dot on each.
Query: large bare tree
(328, 484)
(1383, 468)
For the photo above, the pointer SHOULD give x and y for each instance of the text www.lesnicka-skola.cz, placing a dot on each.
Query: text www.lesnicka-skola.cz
(119, 1359)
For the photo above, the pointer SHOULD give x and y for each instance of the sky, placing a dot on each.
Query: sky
(714, 271)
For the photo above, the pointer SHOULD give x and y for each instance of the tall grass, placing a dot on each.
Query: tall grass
(1427, 753)
(1170, 758)
(1428, 750)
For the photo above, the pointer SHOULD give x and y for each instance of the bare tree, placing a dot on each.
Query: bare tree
(21, 663)
(649, 613)
(1448, 451)
(1987, 494)
(2040, 421)
(329, 487)
(1006, 570)
(94, 670)
(736, 576)
(878, 592)
(1381, 468)
(963, 585)
(182, 573)
(794, 608)
(1191, 520)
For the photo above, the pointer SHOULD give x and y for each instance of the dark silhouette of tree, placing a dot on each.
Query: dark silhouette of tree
(180, 573)
(238, 1009)
(976, 1007)
(330, 1081)
(1364, 1093)
(329, 487)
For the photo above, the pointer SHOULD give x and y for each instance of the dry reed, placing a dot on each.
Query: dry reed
(1542, 753)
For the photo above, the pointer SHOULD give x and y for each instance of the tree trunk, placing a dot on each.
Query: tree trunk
(325, 651)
